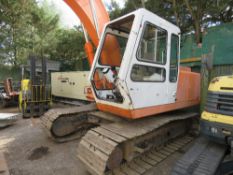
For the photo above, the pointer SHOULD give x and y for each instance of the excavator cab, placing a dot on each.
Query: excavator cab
(136, 63)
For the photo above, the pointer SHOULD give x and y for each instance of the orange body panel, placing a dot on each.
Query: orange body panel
(188, 94)
(83, 10)
(89, 52)
(188, 88)
(89, 93)
(111, 53)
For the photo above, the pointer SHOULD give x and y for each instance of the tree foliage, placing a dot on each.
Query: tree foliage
(14, 22)
(28, 27)
(69, 48)
(189, 15)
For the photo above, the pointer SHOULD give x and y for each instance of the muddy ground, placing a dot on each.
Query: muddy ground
(29, 151)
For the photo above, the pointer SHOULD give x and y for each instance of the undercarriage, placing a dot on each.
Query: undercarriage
(110, 143)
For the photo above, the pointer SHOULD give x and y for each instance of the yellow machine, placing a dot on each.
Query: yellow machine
(217, 119)
(24, 88)
(214, 154)
(35, 97)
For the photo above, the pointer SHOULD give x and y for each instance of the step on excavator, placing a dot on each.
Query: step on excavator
(212, 153)
(142, 95)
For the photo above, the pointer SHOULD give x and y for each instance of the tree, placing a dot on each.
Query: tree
(26, 27)
(219, 11)
(189, 15)
(115, 10)
(14, 25)
(209, 11)
(43, 33)
(70, 47)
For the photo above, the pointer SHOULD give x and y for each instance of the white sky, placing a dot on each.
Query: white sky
(67, 16)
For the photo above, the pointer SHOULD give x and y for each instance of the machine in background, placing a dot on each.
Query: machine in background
(35, 96)
(213, 153)
(71, 87)
(217, 119)
(8, 93)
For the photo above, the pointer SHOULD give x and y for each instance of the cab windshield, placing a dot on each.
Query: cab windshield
(110, 58)
(115, 42)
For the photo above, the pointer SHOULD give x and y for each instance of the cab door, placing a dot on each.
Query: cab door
(173, 67)
(148, 79)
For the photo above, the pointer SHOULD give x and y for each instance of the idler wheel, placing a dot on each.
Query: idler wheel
(115, 158)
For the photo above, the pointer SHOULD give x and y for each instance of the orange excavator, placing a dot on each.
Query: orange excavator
(143, 97)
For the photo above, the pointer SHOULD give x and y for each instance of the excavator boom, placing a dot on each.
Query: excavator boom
(88, 11)
(93, 16)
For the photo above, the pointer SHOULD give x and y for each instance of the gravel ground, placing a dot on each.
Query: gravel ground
(29, 151)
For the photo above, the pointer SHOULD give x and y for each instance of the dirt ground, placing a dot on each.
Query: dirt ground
(29, 151)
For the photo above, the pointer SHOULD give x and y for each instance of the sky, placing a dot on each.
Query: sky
(67, 17)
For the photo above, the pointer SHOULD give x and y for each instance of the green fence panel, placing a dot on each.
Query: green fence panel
(219, 40)
(189, 48)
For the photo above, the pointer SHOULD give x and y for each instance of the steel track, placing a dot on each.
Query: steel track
(73, 119)
(116, 148)
(204, 157)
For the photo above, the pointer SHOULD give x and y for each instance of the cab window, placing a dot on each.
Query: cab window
(143, 73)
(153, 45)
(174, 58)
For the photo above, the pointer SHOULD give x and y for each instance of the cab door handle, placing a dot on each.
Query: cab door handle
(174, 94)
